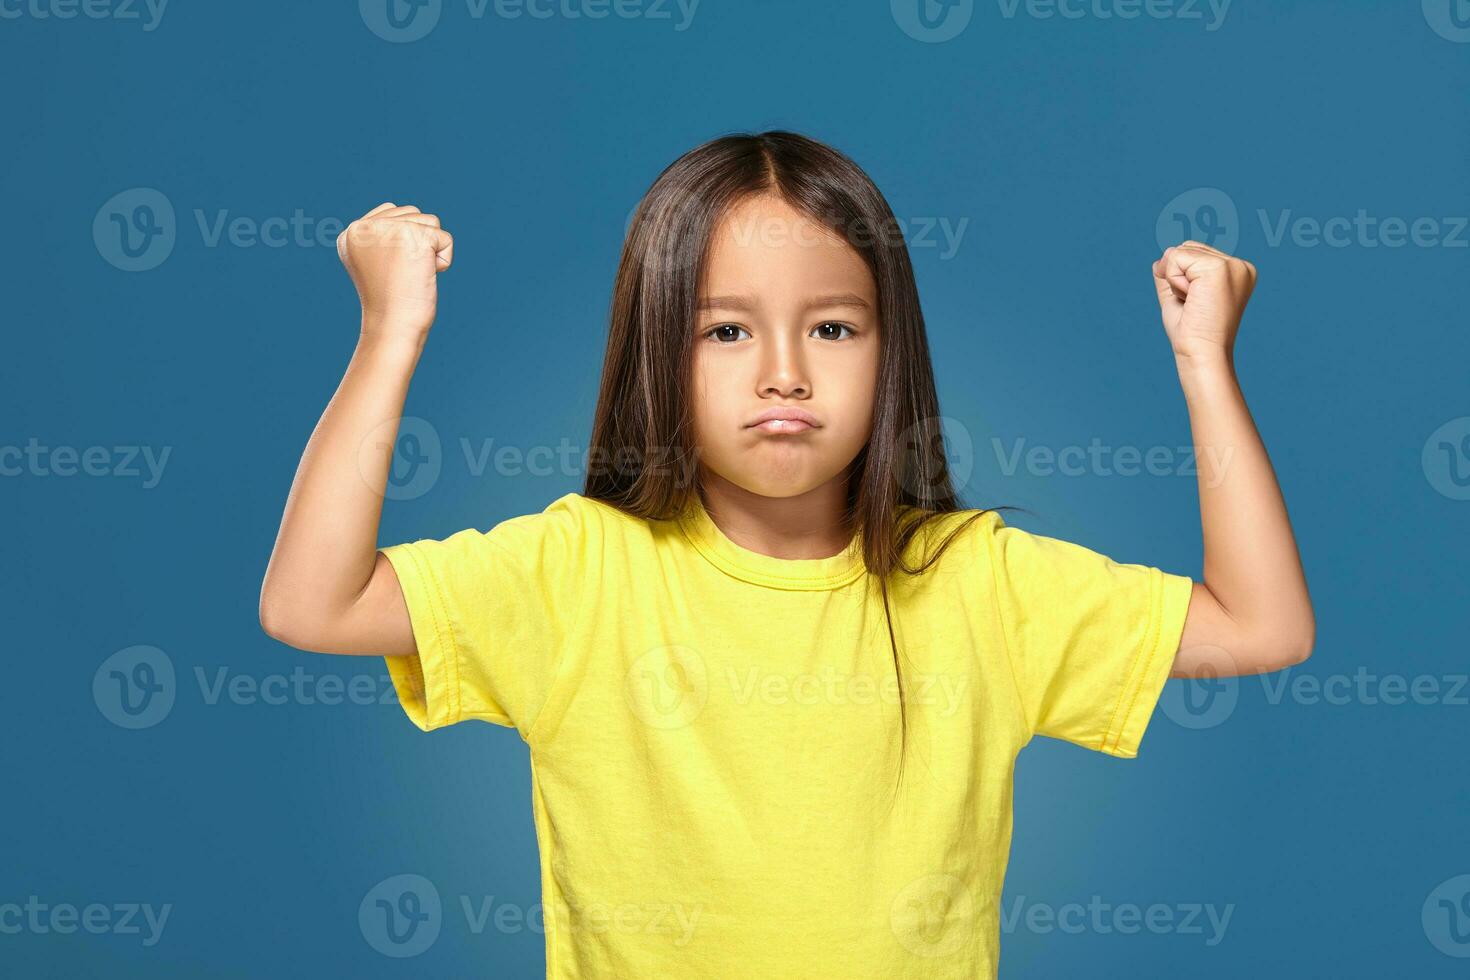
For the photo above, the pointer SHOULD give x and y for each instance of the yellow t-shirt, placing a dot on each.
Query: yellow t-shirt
(714, 732)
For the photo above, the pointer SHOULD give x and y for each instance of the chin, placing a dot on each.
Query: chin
(773, 479)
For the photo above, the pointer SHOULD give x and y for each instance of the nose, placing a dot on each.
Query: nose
(783, 369)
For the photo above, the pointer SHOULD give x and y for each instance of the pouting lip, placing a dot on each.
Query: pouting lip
(785, 412)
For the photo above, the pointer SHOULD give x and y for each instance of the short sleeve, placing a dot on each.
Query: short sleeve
(491, 611)
(1090, 641)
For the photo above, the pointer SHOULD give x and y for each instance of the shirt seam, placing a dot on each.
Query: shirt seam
(826, 583)
(1005, 643)
(547, 850)
(1142, 660)
(559, 669)
(443, 638)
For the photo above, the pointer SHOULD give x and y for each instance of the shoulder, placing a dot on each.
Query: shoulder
(575, 515)
(568, 521)
(958, 540)
(593, 512)
(968, 527)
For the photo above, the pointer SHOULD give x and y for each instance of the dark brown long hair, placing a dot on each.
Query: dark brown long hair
(641, 459)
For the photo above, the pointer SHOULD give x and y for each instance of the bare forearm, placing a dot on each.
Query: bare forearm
(1251, 564)
(327, 544)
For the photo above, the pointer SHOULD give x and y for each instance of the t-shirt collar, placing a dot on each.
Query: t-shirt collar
(752, 566)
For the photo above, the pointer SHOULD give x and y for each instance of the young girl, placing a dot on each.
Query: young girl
(773, 675)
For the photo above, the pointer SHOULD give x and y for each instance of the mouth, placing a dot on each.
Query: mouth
(783, 425)
(784, 420)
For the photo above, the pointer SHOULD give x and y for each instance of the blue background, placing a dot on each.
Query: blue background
(1059, 141)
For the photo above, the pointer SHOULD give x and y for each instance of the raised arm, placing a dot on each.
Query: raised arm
(326, 588)
(1252, 613)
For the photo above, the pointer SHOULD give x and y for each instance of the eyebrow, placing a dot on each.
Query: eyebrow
(744, 304)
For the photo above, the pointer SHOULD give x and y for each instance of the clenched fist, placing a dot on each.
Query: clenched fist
(394, 255)
(1202, 295)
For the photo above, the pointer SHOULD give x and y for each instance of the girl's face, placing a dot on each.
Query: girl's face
(788, 318)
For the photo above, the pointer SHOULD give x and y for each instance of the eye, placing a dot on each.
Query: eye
(725, 327)
(840, 327)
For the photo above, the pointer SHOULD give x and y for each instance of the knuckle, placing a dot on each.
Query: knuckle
(415, 236)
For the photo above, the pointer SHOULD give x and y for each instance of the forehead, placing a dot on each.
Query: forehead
(762, 244)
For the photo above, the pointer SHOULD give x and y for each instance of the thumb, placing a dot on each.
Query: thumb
(443, 248)
(1171, 293)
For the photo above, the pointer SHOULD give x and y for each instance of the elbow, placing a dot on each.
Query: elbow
(1294, 653)
(281, 625)
(1288, 647)
(273, 623)
(1302, 650)
(1305, 638)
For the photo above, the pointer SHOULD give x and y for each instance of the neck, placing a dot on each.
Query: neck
(806, 525)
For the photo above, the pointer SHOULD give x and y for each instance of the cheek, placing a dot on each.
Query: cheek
(854, 388)
(705, 394)
(699, 379)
